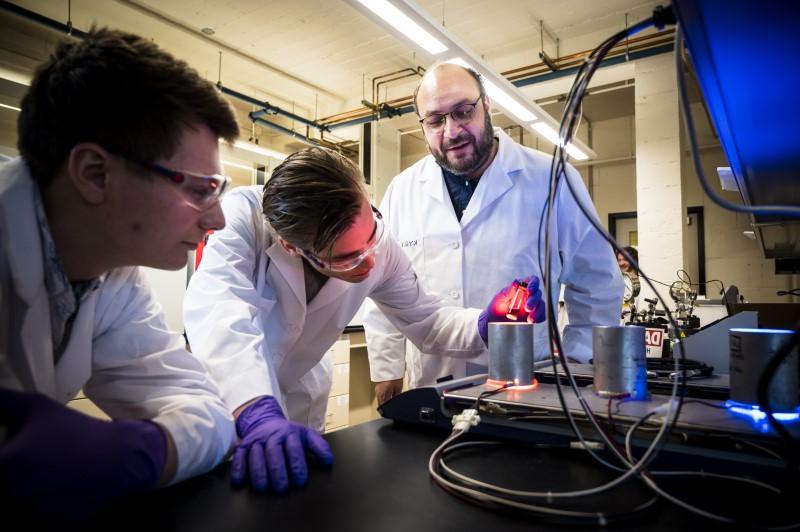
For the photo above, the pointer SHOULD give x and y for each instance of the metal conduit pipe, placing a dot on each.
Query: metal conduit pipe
(310, 141)
(41, 19)
(269, 108)
(67, 29)
(376, 116)
(357, 116)
(286, 131)
(640, 54)
(386, 78)
(637, 43)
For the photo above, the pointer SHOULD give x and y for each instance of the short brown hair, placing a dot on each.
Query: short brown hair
(312, 197)
(120, 91)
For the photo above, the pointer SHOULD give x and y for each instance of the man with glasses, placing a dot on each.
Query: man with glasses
(468, 216)
(119, 167)
(276, 288)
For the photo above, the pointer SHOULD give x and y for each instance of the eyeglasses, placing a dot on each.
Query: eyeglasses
(461, 114)
(345, 264)
(199, 191)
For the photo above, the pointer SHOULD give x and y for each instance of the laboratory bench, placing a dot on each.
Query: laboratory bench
(379, 482)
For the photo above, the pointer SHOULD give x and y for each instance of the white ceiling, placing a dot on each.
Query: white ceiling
(318, 57)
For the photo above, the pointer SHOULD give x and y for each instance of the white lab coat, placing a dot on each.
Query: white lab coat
(246, 315)
(496, 241)
(120, 350)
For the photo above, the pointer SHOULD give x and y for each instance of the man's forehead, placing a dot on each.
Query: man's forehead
(446, 85)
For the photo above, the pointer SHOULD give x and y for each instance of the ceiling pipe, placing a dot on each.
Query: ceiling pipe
(519, 83)
(285, 130)
(268, 108)
(41, 19)
(386, 111)
(305, 139)
(361, 116)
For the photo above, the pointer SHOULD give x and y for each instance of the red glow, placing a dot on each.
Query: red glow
(516, 301)
(499, 384)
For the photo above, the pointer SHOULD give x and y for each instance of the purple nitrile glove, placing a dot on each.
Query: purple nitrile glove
(498, 307)
(265, 432)
(58, 465)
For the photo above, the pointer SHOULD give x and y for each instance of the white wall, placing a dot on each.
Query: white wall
(730, 256)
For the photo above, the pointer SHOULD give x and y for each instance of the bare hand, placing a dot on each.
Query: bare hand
(387, 389)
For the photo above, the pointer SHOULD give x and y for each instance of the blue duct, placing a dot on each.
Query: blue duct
(616, 60)
(269, 108)
(254, 116)
(41, 19)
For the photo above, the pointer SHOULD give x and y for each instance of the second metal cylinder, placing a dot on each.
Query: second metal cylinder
(620, 365)
(511, 352)
(751, 352)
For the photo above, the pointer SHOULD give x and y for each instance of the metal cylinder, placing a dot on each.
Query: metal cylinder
(511, 352)
(620, 365)
(751, 350)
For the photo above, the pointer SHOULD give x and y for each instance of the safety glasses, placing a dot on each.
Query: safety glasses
(351, 262)
(461, 114)
(198, 190)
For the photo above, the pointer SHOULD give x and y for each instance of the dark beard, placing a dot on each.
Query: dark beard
(483, 150)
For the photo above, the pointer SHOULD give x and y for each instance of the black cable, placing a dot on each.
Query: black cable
(489, 393)
(558, 169)
(792, 292)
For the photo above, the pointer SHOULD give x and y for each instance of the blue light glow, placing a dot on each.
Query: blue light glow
(763, 331)
(757, 415)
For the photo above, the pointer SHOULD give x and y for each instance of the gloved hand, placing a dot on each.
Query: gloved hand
(265, 432)
(533, 310)
(59, 465)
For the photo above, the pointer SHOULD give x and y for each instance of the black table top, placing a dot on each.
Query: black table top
(380, 482)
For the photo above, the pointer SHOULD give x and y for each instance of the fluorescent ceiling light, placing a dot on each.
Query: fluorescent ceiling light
(255, 148)
(551, 135)
(405, 25)
(499, 96)
(10, 107)
(508, 98)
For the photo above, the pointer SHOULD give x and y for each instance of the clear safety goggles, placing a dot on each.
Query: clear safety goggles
(198, 190)
(345, 264)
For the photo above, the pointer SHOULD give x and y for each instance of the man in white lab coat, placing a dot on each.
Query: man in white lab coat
(276, 288)
(468, 217)
(119, 167)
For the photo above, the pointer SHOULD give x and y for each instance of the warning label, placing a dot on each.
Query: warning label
(654, 341)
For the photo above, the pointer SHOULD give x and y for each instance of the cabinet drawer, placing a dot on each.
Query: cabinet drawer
(341, 380)
(338, 415)
(340, 350)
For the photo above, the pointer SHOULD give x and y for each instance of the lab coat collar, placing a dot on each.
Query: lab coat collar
(498, 178)
(433, 181)
(291, 268)
(17, 189)
(332, 291)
